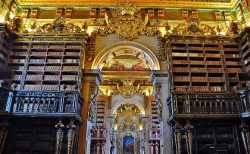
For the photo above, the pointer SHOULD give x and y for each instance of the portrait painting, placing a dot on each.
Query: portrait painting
(128, 145)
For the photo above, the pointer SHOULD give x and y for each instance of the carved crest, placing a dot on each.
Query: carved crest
(193, 27)
(128, 24)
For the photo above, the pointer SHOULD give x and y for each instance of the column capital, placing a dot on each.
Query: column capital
(92, 75)
(159, 76)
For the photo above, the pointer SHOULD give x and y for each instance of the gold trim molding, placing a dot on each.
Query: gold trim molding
(142, 3)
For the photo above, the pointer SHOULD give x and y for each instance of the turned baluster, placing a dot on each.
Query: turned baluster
(38, 109)
(49, 105)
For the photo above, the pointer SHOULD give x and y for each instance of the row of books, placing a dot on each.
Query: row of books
(199, 79)
(37, 60)
(16, 68)
(70, 68)
(71, 60)
(40, 46)
(216, 79)
(232, 56)
(216, 88)
(32, 87)
(235, 70)
(55, 53)
(72, 53)
(18, 53)
(210, 69)
(233, 63)
(50, 87)
(36, 68)
(34, 77)
(199, 88)
(69, 77)
(180, 61)
(212, 55)
(181, 78)
(38, 53)
(201, 62)
(17, 60)
(16, 77)
(197, 69)
(214, 62)
(47, 87)
(52, 68)
(57, 46)
(51, 77)
(234, 49)
(195, 55)
(21, 46)
(54, 60)
(180, 69)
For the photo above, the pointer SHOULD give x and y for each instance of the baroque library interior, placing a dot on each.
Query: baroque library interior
(125, 77)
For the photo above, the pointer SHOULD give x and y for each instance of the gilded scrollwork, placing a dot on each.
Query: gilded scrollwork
(128, 24)
(158, 99)
(91, 46)
(162, 55)
(193, 27)
(92, 102)
(15, 24)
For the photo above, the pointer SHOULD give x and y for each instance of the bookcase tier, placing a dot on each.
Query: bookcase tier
(205, 65)
(45, 64)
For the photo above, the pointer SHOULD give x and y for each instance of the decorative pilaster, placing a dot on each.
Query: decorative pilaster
(177, 137)
(245, 134)
(71, 136)
(91, 81)
(59, 137)
(189, 137)
(161, 93)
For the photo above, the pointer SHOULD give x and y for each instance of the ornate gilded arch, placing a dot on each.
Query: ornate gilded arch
(126, 48)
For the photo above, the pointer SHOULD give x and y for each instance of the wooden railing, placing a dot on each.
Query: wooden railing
(47, 104)
(187, 103)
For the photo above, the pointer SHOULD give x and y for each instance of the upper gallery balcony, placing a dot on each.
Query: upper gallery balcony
(190, 105)
(54, 104)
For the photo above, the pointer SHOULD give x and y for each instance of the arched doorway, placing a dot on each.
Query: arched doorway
(126, 67)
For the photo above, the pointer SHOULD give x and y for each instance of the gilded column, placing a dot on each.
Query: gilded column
(189, 137)
(91, 81)
(59, 137)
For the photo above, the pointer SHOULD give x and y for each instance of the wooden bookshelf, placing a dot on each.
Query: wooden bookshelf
(46, 64)
(203, 66)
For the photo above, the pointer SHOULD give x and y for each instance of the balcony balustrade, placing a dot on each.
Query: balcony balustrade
(45, 104)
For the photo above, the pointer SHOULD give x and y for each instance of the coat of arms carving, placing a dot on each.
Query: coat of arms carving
(128, 23)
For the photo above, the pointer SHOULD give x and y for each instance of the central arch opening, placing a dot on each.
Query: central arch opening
(126, 67)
